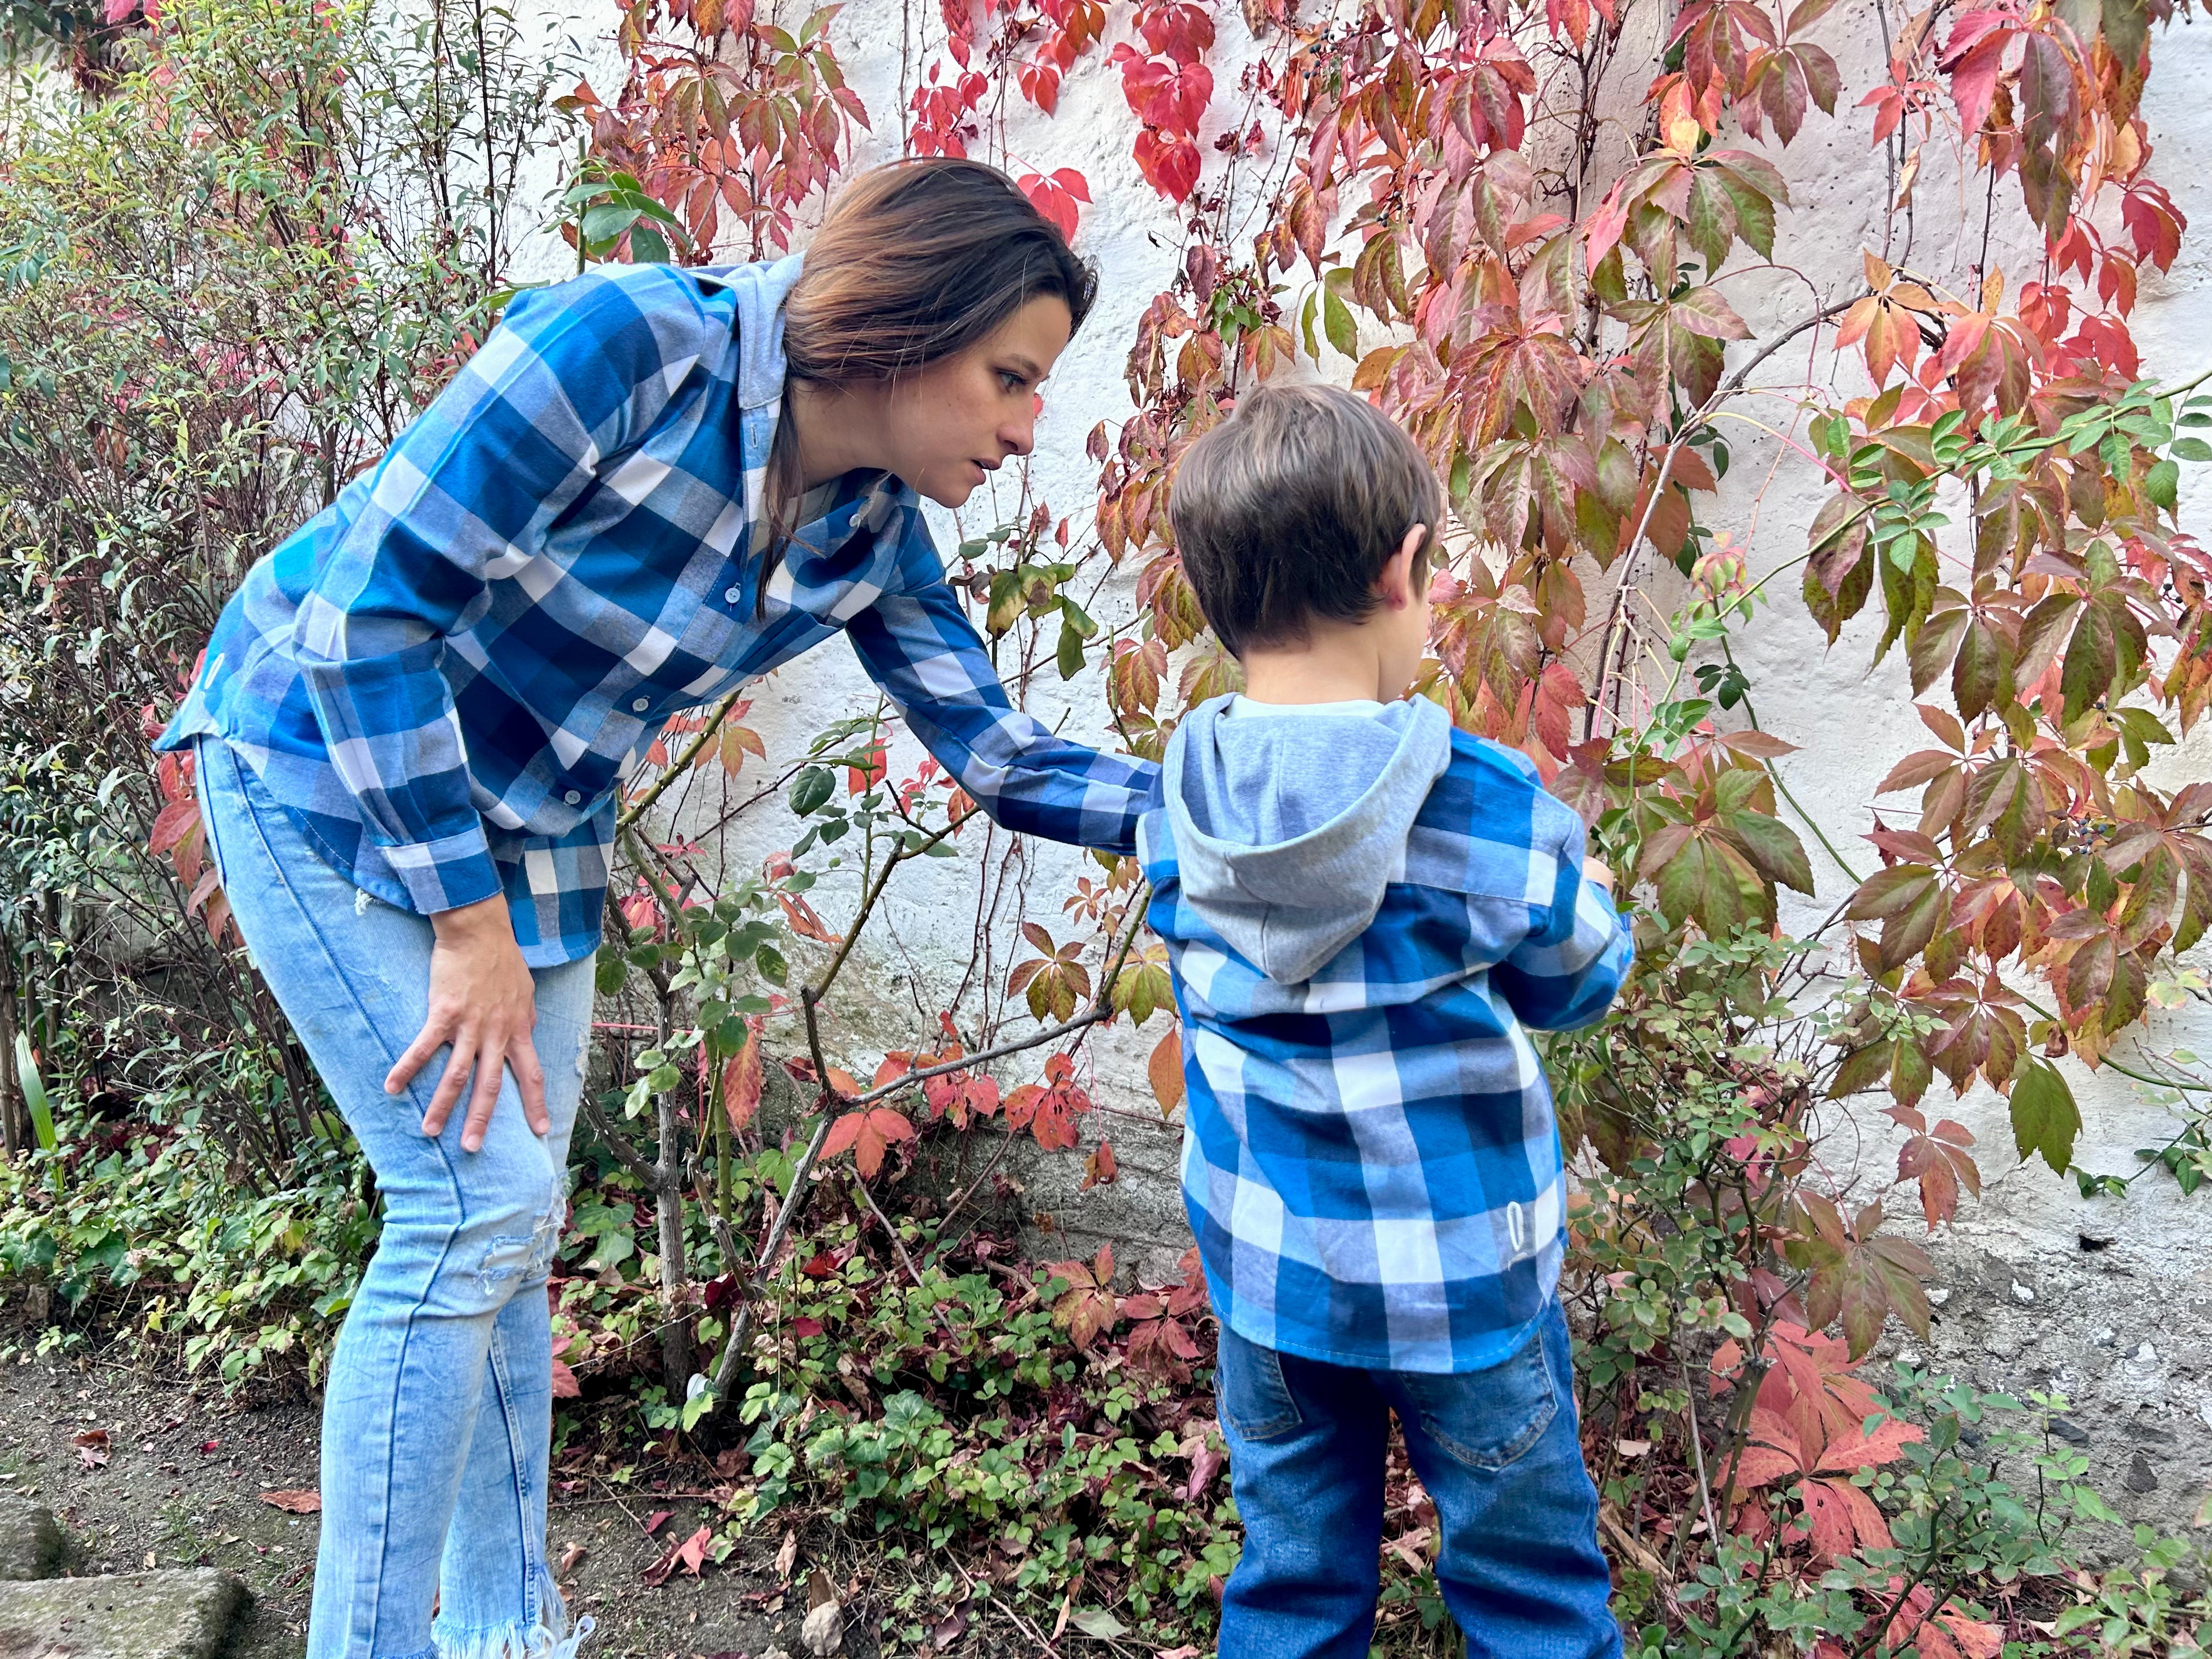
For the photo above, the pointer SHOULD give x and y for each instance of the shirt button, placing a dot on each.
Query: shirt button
(643, 704)
(732, 595)
(573, 796)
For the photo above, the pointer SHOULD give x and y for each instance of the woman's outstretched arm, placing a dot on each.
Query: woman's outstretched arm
(919, 646)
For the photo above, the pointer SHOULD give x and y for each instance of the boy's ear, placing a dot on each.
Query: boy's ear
(1403, 576)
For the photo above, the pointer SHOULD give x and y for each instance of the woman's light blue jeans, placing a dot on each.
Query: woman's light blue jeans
(437, 1414)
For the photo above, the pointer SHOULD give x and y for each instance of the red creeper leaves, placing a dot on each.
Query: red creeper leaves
(869, 1133)
(1086, 1309)
(1048, 1110)
(1858, 1275)
(1936, 1158)
(1807, 1429)
(1056, 197)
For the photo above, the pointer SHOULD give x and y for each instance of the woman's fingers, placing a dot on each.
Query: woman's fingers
(427, 1041)
(475, 1063)
(488, 1070)
(460, 1062)
(529, 1081)
(482, 1000)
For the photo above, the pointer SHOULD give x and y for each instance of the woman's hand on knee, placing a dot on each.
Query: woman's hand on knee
(483, 1003)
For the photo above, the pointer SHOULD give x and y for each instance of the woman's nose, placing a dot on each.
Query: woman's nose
(1020, 434)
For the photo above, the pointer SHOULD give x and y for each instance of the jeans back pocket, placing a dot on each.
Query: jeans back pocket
(1486, 1420)
(1249, 1390)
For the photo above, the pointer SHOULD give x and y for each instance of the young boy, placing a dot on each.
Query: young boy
(1366, 910)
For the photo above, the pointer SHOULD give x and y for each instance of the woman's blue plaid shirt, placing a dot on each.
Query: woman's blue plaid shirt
(1370, 1158)
(446, 675)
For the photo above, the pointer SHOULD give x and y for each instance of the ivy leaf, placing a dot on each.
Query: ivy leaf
(2092, 658)
(741, 1084)
(1863, 1278)
(1086, 1308)
(869, 1134)
(1336, 323)
(1773, 847)
(1163, 1070)
(2045, 1118)
(1909, 900)
(1713, 882)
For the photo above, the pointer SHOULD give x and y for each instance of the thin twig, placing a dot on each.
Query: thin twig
(898, 1243)
(725, 1367)
(676, 768)
(1735, 382)
(1101, 1008)
(1698, 1451)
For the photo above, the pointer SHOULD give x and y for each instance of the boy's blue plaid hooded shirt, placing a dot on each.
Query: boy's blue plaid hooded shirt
(446, 675)
(1366, 911)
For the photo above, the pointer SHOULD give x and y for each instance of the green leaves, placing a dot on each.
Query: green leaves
(2045, 1118)
(34, 1094)
(1717, 861)
(2105, 656)
(615, 205)
(811, 789)
(1910, 901)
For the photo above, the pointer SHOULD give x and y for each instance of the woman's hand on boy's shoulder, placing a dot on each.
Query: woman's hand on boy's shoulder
(1596, 870)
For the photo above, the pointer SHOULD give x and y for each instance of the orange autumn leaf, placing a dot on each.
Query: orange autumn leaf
(868, 1133)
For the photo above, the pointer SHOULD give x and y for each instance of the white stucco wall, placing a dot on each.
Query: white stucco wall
(2122, 1328)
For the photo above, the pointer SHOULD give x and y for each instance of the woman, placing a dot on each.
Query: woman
(649, 485)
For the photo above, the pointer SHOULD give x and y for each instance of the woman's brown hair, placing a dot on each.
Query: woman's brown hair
(916, 261)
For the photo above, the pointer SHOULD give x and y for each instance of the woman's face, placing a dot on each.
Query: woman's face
(948, 424)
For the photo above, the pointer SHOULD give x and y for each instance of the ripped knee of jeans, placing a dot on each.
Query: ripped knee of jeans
(514, 1260)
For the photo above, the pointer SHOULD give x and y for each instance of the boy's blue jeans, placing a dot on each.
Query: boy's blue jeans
(1500, 1456)
(437, 1413)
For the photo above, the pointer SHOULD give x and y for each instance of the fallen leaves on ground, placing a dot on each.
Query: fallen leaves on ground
(824, 1632)
(91, 1448)
(690, 1554)
(295, 1501)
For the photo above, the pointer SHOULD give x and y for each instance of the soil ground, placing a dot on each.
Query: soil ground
(182, 1485)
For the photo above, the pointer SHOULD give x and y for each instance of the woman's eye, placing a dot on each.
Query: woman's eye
(1010, 381)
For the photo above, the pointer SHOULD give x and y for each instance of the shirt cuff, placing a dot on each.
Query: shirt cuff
(446, 873)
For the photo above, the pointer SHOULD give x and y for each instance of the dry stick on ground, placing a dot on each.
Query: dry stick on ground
(898, 1243)
(1698, 1451)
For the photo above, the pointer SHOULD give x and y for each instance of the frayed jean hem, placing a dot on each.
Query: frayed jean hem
(512, 1642)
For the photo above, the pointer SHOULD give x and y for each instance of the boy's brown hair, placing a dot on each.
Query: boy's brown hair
(1289, 510)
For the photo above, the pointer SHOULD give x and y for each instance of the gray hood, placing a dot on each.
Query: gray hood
(1289, 826)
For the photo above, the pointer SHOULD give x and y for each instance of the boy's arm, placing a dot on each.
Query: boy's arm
(1564, 973)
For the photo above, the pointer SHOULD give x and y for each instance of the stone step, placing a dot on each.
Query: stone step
(182, 1615)
(31, 1541)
